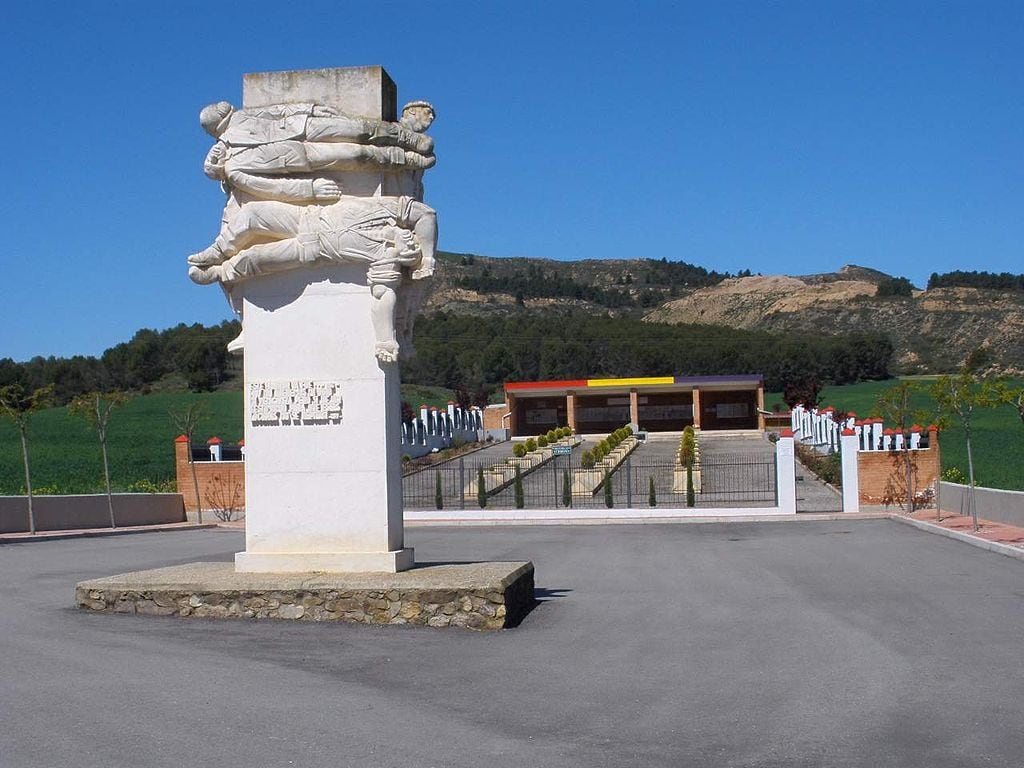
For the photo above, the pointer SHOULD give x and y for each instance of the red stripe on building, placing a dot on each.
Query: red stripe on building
(514, 386)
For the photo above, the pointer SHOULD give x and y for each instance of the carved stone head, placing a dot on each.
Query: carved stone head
(214, 117)
(417, 116)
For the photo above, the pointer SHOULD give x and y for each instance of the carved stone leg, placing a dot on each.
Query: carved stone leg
(258, 220)
(262, 259)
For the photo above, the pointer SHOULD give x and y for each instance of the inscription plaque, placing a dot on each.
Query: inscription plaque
(295, 403)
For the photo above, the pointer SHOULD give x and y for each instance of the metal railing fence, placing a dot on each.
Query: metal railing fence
(721, 481)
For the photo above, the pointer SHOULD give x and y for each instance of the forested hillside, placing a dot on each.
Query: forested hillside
(477, 354)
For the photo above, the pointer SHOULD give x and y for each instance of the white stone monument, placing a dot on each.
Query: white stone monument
(322, 250)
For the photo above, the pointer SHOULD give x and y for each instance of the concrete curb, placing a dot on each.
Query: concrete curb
(24, 538)
(966, 538)
(650, 520)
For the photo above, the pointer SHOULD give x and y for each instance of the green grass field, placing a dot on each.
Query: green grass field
(65, 454)
(998, 435)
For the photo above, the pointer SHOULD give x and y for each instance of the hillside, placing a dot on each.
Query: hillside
(932, 330)
(476, 285)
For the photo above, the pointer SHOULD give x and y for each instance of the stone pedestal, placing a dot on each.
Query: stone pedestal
(323, 470)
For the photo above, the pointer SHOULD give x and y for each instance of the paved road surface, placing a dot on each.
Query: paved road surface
(861, 643)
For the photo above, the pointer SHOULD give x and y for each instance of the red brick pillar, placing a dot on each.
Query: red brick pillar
(634, 408)
(696, 408)
(183, 472)
(570, 409)
(760, 407)
(513, 427)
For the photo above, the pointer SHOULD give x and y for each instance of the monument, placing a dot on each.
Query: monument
(323, 249)
(323, 239)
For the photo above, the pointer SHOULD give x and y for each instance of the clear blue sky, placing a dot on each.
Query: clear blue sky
(780, 137)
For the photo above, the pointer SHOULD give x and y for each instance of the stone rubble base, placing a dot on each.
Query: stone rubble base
(482, 596)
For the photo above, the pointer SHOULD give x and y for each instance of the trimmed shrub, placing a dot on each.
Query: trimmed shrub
(688, 448)
(691, 498)
(566, 489)
(542, 441)
(587, 460)
(438, 491)
(520, 497)
(652, 500)
(531, 445)
(552, 435)
(609, 492)
(481, 489)
(519, 450)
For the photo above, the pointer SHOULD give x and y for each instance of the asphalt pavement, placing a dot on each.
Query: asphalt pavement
(856, 643)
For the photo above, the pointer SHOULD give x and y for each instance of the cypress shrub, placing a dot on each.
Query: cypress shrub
(566, 489)
(438, 491)
(652, 500)
(609, 497)
(520, 499)
(691, 499)
(481, 489)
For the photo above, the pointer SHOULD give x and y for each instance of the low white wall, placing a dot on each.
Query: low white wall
(993, 504)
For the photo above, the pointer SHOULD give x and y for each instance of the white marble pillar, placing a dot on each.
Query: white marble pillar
(851, 482)
(322, 413)
(785, 472)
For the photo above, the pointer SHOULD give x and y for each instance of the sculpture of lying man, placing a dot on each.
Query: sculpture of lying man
(285, 139)
(387, 234)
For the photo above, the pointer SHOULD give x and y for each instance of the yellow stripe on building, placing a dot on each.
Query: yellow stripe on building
(631, 382)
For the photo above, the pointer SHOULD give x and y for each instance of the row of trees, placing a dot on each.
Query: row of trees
(97, 408)
(195, 352)
(571, 281)
(955, 399)
(478, 354)
(1000, 281)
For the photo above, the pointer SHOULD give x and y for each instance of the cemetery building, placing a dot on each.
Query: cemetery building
(652, 404)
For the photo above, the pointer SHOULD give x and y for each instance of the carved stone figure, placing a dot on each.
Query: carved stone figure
(281, 215)
(388, 234)
(286, 139)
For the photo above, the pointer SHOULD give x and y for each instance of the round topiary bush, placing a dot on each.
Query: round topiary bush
(551, 436)
(519, 450)
(587, 460)
(542, 441)
(531, 445)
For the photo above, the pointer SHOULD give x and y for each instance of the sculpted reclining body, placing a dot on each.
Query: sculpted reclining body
(297, 219)
(391, 236)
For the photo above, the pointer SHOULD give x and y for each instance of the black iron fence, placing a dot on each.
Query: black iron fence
(720, 481)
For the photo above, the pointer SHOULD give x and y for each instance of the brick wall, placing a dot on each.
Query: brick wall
(876, 468)
(220, 482)
(492, 416)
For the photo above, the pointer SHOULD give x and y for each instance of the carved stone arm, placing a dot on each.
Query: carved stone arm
(213, 165)
(278, 111)
(276, 188)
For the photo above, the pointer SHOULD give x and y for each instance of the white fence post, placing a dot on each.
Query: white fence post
(785, 473)
(851, 482)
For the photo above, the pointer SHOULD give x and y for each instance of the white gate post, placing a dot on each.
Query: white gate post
(851, 483)
(785, 473)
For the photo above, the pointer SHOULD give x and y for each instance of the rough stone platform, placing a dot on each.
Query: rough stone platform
(475, 595)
